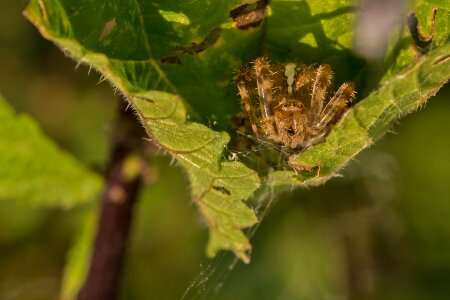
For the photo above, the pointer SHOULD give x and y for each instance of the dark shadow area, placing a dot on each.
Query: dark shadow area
(249, 15)
(173, 58)
(284, 35)
(422, 43)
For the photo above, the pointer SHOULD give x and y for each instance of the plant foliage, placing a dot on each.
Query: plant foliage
(34, 170)
(175, 63)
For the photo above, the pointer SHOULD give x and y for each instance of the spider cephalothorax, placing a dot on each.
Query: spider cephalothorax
(291, 104)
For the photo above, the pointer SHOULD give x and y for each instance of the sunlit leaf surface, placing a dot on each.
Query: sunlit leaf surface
(175, 62)
(156, 53)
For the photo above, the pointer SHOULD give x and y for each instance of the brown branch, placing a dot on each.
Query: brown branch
(123, 181)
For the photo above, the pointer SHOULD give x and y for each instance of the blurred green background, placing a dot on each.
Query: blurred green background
(381, 231)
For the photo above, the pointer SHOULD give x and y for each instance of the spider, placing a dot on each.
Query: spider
(291, 104)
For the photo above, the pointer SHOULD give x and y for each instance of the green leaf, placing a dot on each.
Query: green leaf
(79, 255)
(424, 11)
(217, 187)
(402, 54)
(130, 43)
(324, 33)
(34, 170)
(314, 32)
(373, 117)
(175, 62)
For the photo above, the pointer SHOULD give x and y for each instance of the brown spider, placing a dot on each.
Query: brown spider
(291, 104)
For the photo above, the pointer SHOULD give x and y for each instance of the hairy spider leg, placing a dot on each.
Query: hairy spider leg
(302, 86)
(319, 92)
(263, 80)
(264, 83)
(242, 78)
(313, 140)
(281, 122)
(279, 84)
(291, 104)
(336, 106)
(279, 98)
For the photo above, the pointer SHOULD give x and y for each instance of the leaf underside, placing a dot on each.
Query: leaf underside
(173, 58)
